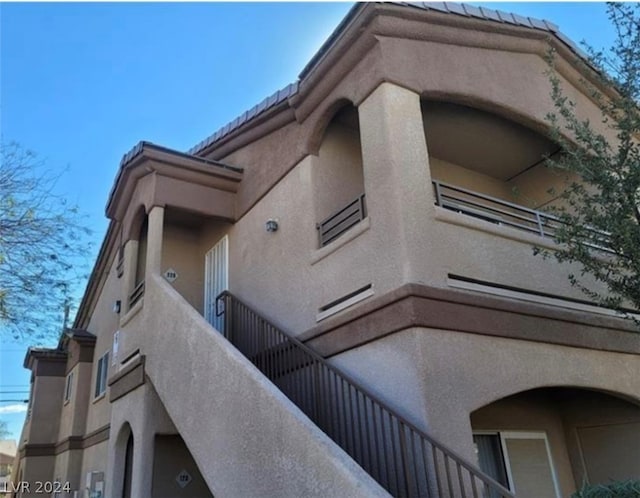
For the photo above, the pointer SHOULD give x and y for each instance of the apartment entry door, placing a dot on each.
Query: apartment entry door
(216, 280)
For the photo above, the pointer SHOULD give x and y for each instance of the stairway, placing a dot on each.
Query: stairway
(246, 437)
(404, 460)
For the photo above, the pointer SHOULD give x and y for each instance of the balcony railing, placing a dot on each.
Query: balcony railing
(403, 459)
(505, 213)
(495, 210)
(335, 225)
(136, 295)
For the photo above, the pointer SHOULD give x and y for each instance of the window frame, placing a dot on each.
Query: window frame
(504, 434)
(68, 387)
(102, 370)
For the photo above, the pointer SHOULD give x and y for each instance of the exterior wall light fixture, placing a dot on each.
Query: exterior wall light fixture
(117, 306)
(271, 225)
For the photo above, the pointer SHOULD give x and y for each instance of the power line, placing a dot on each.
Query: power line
(14, 392)
(14, 400)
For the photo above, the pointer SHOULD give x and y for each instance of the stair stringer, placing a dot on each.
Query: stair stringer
(246, 436)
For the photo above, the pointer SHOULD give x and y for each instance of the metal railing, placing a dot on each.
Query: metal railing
(120, 265)
(403, 459)
(505, 213)
(335, 225)
(494, 210)
(136, 295)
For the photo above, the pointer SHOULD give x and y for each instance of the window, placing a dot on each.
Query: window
(68, 388)
(520, 461)
(101, 375)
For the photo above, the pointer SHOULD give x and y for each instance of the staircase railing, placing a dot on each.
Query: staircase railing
(403, 459)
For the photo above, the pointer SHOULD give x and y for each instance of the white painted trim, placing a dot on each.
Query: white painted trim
(504, 435)
(531, 435)
(345, 304)
(98, 377)
(505, 456)
(218, 256)
(507, 463)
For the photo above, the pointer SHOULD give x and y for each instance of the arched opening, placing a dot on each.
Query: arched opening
(337, 178)
(546, 442)
(128, 468)
(122, 463)
(139, 234)
(141, 259)
(490, 167)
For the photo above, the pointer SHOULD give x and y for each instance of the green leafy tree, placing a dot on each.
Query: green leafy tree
(43, 246)
(603, 210)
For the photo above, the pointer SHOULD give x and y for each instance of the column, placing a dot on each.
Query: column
(397, 177)
(154, 240)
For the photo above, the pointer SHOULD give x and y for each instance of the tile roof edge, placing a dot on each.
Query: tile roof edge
(138, 149)
(450, 8)
(252, 113)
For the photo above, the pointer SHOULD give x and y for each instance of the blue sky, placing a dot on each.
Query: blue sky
(80, 84)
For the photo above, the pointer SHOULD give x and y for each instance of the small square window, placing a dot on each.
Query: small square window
(101, 375)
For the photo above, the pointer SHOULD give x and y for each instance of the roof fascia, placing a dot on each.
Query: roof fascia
(43, 354)
(369, 21)
(345, 37)
(172, 164)
(262, 124)
(134, 166)
(97, 277)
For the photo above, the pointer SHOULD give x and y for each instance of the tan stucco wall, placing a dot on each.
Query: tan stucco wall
(456, 175)
(142, 415)
(170, 458)
(104, 323)
(181, 252)
(67, 470)
(184, 249)
(436, 378)
(272, 271)
(603, 436)
(404, 243)
(540, 187)
(45, 410)
(74, 412)
(531, 412)
(36, 469)
(336, 176)
(240, 456)
(592, 435)
(284, 276)
(94, 459)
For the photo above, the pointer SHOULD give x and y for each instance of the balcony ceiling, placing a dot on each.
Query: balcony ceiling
(481, 141)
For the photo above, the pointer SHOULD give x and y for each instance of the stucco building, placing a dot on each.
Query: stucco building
(8, 450)
(382, 211)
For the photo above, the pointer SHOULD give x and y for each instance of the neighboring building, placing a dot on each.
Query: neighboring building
(369, 211)
(8, 452)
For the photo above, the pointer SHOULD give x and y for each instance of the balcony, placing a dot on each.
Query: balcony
(339, 222)
(500, 212)
(494, 210)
